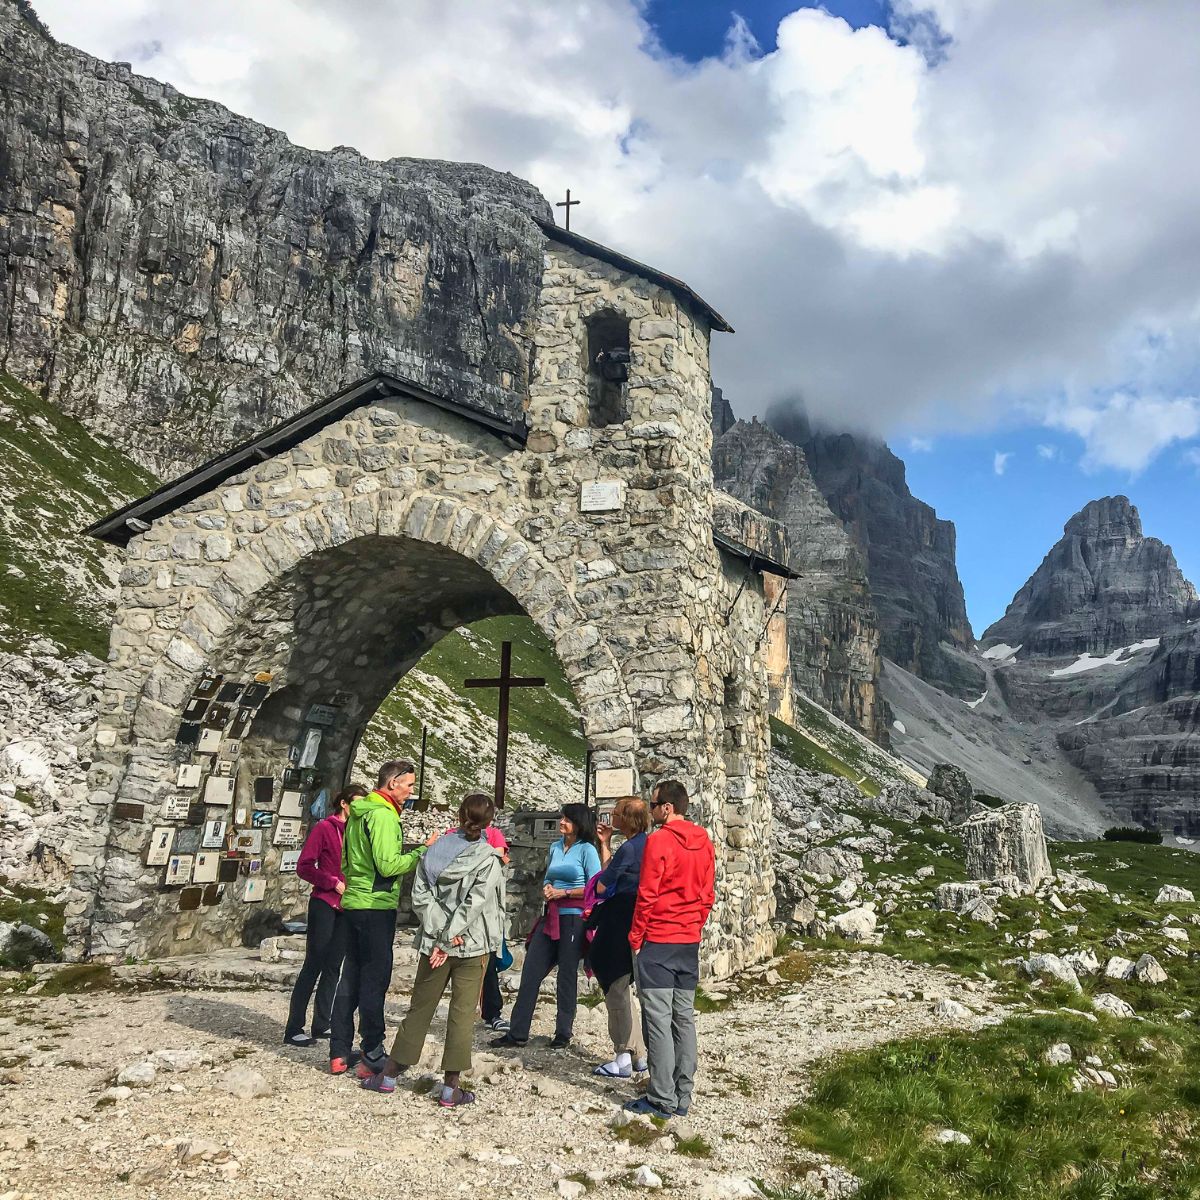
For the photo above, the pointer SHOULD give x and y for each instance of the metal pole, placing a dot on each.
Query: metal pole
(502, 723)
(587, 776)
(420, 805)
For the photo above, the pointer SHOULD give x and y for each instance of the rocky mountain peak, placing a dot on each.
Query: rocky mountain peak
(1103, 585)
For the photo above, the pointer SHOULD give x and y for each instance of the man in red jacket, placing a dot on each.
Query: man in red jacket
(675, 896)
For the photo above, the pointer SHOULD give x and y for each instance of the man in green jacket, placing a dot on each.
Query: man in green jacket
(373, 860)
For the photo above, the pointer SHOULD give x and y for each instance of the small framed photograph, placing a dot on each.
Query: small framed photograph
(161, 839)
(213, 837)
(253, 866)
(256, 889)
(241, 816)
(310, 748)
(209, 740)
(248, 841)
(264, 791)
(207, 688)
(262, 819)
(179, 870)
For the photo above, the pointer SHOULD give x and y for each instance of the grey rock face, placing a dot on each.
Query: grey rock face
(832, 630)
(951, 783)
(180, 277)
(22, 945)
(909, 552)
(1007, 841)
(1102, 586)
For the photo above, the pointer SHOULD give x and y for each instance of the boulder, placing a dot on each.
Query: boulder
(1050, 965)
(22, 945)
(1118, 968)
(1058, 1055)
(1170, 894)
(845, 891)
(245, 1083)
(857, 925)
(951, 1137)
(951, 783)
(946, 1007)
(832, 860)
(1147, 969)
(1106, 1002)
(1007, 841)
(1083, 962)
(980, 910)
(647, 1177)
(137, 1075)
(955, 897)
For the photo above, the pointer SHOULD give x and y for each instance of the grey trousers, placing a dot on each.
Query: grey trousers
(667, 979)
(624, 1019)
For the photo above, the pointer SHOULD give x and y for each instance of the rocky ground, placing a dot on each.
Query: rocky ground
(212, 1103)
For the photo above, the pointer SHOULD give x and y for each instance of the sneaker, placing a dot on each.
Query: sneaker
(453, 1097)
(364, 1070)
(559, 1043)
(320, 1033)
(377, 1081)
(644, 1106)
(682, 1110)
(299, 1039)
(338, 1066)
(641, 1066)
(498, 1025)
(506, 1041)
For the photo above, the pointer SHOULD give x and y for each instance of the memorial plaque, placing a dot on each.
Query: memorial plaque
(208, 687)
(159, 850)
(229, 693)
(197, 814)
(256, 889)
(545, 829)
(187, 839)
(256, 693)
(252, 865)
(264, 791)
(614, 782)
(213, 837)
(291, 777)
(209, 740)
(228, 754)
(227, 870)
(310, 777)
(212, 893)
(241, 816)
(218, 790)
(194, 710)
(207, 867)
(310, 749)
(179, 870)
(322, 714)
(287, 862)
(248, 841)
(188, 775)
(218, 716)
(287, 832)
(262, 819)
(291, 804)
(224, 767)
(189, 898)
(176, 808)
(241, 723)
(128, 810)
(188, 735)
(602, 495)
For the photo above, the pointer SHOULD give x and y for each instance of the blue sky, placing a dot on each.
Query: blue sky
(981, 235)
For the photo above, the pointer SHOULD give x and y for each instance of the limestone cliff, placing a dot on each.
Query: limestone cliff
(909, 551)
(832, 632)
(1104, 585)
(179, 277)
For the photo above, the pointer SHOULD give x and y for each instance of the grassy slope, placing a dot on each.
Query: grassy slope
(56, 479)
(1032, 1135)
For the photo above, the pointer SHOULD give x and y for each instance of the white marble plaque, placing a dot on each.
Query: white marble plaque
(614, 782)
(602, 495)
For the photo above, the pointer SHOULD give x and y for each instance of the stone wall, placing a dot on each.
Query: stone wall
(333, 567)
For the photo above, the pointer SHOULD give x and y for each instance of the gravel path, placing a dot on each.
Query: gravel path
(542, 1120)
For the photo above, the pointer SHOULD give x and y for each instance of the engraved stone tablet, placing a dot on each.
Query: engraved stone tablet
(602, 495)
(614, 783)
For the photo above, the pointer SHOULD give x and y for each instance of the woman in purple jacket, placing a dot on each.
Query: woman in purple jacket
(321, 865)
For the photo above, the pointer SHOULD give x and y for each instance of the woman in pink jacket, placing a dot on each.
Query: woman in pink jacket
(321, 865)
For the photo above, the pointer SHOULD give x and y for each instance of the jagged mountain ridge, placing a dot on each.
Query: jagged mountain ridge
(833, 633)
(1103, 585)
(180, 277)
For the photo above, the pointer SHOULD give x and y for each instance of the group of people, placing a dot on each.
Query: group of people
(633, 918)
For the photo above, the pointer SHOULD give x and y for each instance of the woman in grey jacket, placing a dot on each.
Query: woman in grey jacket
(458, 896)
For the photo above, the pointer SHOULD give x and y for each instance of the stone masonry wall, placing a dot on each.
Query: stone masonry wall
(334, 566)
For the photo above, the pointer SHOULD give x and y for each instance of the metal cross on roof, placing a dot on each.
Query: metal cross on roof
(568, 204)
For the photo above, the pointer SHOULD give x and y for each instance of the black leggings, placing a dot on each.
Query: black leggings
(366, 973)
(541, 957)
(323, 951)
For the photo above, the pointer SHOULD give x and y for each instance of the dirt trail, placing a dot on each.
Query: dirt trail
(541, 1116)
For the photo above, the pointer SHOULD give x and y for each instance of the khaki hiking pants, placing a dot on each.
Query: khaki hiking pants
(625, 1019)
(465, 977)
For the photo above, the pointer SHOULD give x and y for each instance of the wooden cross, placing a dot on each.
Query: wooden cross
(506, 682)
(568, 204)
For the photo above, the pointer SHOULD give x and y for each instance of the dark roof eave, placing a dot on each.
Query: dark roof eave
(617, 259)
(758, 562)
(117, 529)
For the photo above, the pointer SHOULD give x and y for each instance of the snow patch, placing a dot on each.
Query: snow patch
(898, 726)
(1089, 662)
(1001, 652)
(977, 703)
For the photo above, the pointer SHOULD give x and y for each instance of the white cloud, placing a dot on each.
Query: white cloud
(1191, 456)
(1046, 451)
(920, 445)
(907, 235)
(1128, 431)
(1000, 461)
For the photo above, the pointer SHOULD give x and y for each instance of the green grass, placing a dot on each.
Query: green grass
(58, 477)
(1031, 1136)
(29, 906)
(805, 753)
(693, 1147)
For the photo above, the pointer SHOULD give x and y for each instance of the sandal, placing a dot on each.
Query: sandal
(606, 1070)
(457, 1096)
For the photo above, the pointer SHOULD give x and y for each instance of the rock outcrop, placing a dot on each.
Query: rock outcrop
(1007, 841)
(180, 277)
(832, 631)
(1104, 585)
(909, 552)
(954, 786)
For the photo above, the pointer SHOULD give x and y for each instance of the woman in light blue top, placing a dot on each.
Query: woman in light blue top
(557, 939)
